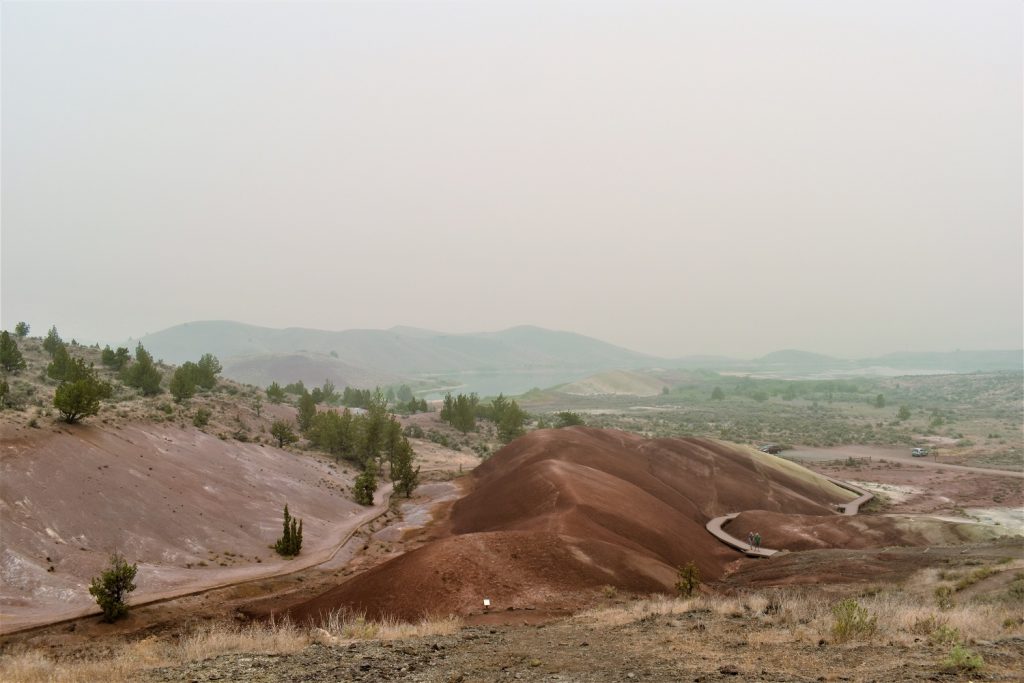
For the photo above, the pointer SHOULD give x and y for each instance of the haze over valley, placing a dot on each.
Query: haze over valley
(533, 341)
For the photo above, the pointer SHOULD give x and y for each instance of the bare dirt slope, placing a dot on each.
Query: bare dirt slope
(190, 508)
(558, 512)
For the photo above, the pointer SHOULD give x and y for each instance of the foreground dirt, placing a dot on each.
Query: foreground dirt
(696, 646)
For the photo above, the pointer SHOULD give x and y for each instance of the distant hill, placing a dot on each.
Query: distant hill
(953, 361)
(311, 369)
(511, 360)
(615, 383)
(259, 353)
(795, 358)
(793, 364)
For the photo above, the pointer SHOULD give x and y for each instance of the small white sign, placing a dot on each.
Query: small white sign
(487, 602)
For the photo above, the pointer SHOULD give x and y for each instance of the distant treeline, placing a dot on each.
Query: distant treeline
(402, 401)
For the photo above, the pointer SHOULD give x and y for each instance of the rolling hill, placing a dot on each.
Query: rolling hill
(368, 357)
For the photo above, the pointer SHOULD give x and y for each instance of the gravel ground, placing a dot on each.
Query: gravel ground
(689, 647)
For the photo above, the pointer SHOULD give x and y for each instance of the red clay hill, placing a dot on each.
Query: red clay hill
(559, 513)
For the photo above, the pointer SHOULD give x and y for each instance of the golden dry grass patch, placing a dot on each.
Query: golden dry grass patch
(340, 626)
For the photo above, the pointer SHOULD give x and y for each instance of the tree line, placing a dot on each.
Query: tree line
(462, 412)
(368, 440)
(81, 389)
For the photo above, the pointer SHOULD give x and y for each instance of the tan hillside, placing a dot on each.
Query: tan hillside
(615, 383)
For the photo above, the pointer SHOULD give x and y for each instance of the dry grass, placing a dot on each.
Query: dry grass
(259, 637)
(659, 605)
(778, 616)
(121, 667)
(205, 642)
(342, 626)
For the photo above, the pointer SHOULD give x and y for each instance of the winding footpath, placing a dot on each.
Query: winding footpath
(714, 526)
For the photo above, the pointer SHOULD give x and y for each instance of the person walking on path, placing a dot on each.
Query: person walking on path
(750, 539)
(757, 539)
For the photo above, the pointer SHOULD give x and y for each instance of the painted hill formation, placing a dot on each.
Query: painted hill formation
(559, 513)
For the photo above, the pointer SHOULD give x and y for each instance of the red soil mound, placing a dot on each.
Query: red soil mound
(562, 511)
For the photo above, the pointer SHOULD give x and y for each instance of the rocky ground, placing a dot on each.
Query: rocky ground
(694, 646)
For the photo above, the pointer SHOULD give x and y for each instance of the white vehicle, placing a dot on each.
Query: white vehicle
(919, 452)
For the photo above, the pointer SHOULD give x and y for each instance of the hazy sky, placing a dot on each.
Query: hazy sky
(678, 177)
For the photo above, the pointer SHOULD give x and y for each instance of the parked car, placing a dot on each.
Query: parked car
(771, 448)
(919, 452)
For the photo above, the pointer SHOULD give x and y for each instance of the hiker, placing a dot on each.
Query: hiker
(750, 539)
(757, 539)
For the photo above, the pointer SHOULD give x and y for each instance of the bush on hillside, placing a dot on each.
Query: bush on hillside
(201, 418)
(80, 398)
(112, 586)
(282, 431)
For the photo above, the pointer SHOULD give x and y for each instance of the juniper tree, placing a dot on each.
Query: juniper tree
(21, 329)
(307, 409)
(11, 359)
(366, 484)
(115, 360)
(110, 588)
(80, 398)
(275, 394)
(510, 426)
(184, 380)
(568, 418)
(207, 370)
(290, 542)
(52, 341)
(142, 374)
(402, 473)
(282, 431)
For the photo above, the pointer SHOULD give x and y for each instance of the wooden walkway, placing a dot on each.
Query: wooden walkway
(714, 526)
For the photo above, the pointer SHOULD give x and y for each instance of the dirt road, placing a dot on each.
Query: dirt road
(812, 454)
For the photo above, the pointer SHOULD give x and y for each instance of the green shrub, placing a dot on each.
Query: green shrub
(852, 621)
(944, 635)
(944, 597)
(688, 580)
(926, 626)
(414, 432)
(110, 588)
(1016, 589)
(974, 577)
(962, 659)
(202, 417)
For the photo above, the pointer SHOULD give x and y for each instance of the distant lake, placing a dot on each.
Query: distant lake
(494, 382)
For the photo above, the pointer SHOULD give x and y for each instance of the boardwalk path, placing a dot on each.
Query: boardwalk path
(716, 524)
